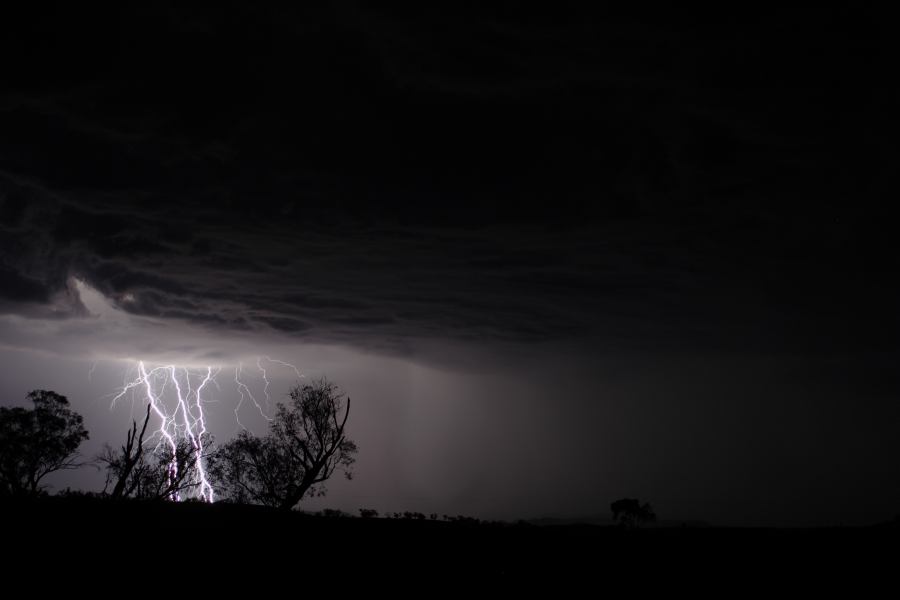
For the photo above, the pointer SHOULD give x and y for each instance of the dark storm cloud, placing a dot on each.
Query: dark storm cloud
(347, 175)
(18, 288)
(346, 283)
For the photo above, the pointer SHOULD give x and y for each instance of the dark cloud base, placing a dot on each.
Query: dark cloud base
(354, 175)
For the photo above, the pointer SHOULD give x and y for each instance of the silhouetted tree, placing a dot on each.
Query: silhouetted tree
(304, 447)
(629, 512)
(36, 442)
(161, 474)
(120, 465)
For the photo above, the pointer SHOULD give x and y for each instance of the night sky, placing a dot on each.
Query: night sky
(555, 259)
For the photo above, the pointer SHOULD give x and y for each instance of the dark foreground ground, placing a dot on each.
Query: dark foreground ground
(121, 548)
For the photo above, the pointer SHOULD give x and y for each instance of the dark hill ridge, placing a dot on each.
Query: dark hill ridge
(88, 534)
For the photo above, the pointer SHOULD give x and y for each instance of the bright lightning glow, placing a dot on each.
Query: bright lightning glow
(181, 414)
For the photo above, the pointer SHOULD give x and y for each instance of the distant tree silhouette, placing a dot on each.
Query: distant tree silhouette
(36, 442)
(161, 474)
(629, 512)
(305, 445)
(120, 465)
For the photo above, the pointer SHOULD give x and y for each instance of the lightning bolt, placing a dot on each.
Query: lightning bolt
(206, 490)
(180, 412)
(242, 388)
(266, 378)
(164, 418)
(266, 388)
(281, 362)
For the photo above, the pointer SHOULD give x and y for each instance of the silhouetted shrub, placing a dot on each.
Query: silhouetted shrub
(36, 442)
(629, 512)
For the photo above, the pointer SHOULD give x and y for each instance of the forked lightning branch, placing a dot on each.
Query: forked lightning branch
(178, 398)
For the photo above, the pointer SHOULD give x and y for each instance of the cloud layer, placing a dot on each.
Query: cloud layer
(377, 179)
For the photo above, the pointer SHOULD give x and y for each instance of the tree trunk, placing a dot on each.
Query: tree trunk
(292, 499)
